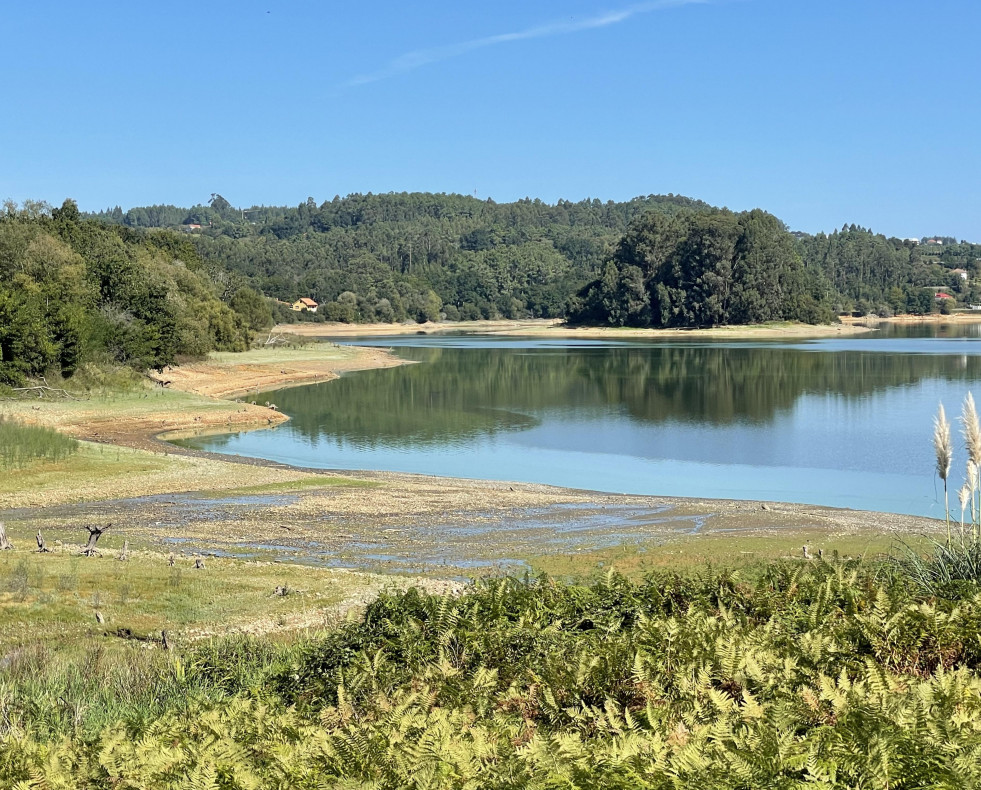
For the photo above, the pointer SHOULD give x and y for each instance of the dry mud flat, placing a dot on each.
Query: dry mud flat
(451, 528)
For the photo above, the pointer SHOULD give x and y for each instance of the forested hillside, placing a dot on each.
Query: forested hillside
(398, 256)
(660, 260)
(74, 290)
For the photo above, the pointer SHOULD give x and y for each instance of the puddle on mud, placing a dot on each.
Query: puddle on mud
(457, 543)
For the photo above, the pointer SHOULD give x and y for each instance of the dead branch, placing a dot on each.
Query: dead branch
(94, 534)
(44, 390)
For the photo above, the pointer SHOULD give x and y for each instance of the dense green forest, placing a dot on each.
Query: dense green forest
(412, 256)
(662, 260)
(76, 291)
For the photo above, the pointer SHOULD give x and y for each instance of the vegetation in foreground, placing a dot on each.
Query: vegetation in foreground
(827, 674)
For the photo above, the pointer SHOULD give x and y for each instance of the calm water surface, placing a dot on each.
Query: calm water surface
(843, 422)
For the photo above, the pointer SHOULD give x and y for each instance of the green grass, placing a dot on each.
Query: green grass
(22, 445)
(809, 674)
(732, 550)
(55, 596)
(283, 354)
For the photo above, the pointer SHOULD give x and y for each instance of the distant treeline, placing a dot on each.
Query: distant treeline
(75, 290)
(662, 260)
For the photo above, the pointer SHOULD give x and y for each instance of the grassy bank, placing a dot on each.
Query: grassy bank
(117, 424)
(745, 550)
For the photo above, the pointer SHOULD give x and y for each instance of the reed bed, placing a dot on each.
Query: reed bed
(22, 445)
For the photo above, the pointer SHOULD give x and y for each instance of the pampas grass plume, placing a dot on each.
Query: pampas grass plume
(972, 430)
(941, 443)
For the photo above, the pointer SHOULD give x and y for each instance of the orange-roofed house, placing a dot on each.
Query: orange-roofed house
(305, 304)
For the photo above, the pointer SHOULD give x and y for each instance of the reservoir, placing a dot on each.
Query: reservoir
(841, 422)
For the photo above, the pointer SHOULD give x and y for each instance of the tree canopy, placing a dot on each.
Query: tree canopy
(657, 260)
(74, 290)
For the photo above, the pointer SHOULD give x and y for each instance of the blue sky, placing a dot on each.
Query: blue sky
(820, 111)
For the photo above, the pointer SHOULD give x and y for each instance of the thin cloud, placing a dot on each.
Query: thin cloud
(422, 57)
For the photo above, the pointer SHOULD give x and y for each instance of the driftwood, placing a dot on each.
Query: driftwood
(41, 548)
(94, 534)
(4, 540)
(45, 390)
(124, 554)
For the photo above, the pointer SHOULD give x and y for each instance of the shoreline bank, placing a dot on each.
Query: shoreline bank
(932, 318)
(554, 328)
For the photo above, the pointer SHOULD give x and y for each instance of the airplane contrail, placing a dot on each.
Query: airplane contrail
(422, 57)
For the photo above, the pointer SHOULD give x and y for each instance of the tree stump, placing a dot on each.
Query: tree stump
(94, 534)
(41, 548)
(4, 540)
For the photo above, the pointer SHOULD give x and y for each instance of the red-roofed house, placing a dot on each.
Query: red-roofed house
(306, 304)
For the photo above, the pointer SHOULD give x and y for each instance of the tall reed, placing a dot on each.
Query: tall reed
(22, 444)
(971, 429)
(942, 446)
(953, 563)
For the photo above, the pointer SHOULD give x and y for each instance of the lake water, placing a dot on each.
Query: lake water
(845, 422)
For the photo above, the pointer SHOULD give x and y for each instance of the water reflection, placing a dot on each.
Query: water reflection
(460, 394)
(835, 422)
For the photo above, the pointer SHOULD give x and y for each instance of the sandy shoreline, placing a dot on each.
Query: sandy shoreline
(933, 318)
(235, 375)
(553, 328)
